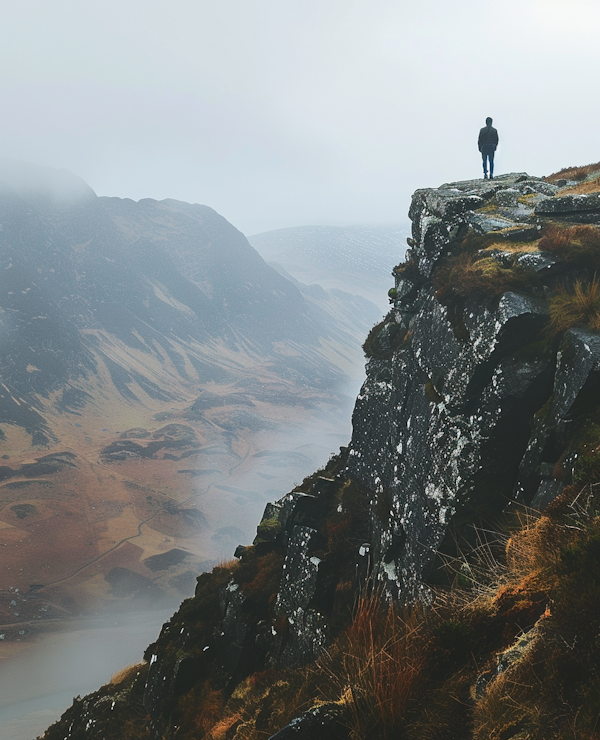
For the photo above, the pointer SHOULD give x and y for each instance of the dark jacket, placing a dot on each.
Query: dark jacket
(488, 138)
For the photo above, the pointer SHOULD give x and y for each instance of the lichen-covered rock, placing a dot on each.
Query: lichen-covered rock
(583, 208)
(324, 722)
(306, 626)
(577, 358)
(433, 418)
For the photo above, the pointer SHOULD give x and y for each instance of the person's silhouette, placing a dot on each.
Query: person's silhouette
(487, 143)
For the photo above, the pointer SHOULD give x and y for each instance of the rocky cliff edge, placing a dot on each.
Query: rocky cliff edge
(480, 404)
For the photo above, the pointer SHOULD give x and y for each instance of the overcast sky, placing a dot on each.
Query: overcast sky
(287, 112)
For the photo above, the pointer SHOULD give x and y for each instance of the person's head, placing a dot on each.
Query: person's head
(488, 121)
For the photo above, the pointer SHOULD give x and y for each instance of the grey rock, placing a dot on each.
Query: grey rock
(325, 722)
(536, 261)
(450, 363)
(384, 338)
(307, 628)
(525, 233)
(488, 187)
(444, 204)
(403, 287)
(508, 197)
(516, 651)
(511, 379)
(569, 204)
(234, 628)
(538, 186)
(284, 508)
(548, 490)
(486, 223)
(421, 455)
(435, 237)
(578, 357)
(579, 354)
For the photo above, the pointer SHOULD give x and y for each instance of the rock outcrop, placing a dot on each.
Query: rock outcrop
(469, 409)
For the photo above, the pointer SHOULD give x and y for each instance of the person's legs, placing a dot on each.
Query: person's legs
(484, 156)
(491, 158)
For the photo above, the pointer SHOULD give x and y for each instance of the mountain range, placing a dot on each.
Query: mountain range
(151, 362)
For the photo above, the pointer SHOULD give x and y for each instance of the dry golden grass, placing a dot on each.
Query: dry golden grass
(377, 667)
(408, 673)
(577, 245)
(203, 712)
(577, 307)
(574, 173)
(505, 708)
(483, 278)
(513, 247)
(589, 186)
(125, 673)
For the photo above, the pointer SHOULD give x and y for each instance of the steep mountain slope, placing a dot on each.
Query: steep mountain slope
(150, 275)
(352, 258)
(480, 411)
(150, 360)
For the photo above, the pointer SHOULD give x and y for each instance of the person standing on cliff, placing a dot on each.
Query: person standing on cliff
(487, 142)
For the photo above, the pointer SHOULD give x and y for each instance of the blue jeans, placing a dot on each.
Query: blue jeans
(488, 154)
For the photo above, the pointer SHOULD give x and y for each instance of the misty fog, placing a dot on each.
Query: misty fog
(281, 113)
(277, 114)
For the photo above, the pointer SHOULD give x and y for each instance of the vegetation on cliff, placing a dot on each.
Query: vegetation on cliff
(510, 648)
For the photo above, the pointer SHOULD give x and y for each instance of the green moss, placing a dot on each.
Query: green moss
(269, 529)
(587, 444)
(376, 347)
(409, 270)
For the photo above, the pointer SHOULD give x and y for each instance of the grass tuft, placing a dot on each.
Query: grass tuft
(577, 307)
(576, 245)
(125, 673)
(582, 188)
(377, 666)
(479, 277)
(384, 339)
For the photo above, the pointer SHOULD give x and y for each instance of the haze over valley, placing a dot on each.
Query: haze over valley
(160, 383)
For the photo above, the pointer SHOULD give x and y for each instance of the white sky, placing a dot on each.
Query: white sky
(287, 112)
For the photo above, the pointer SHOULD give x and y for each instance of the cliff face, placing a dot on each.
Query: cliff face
(443, 425)
(478, 395)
